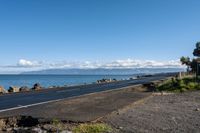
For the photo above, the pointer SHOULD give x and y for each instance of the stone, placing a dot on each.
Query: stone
(65, 131)
(50, 128)
(105, 81)
(9, 129)
(13, 89)
(120, 128)
(2, 90)
(37, 86)
(24, 89)
(2, 124)
(37, 130)
(12, 122)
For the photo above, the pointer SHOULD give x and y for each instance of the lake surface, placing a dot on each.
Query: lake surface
(53, 80)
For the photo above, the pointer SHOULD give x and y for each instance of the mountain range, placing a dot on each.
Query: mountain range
(104, 71)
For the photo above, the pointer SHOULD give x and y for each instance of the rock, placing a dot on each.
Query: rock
(24, 89)
(9, 129)
(65, 131)
(38, 130)
(50, 128)
(105, 81)
(114, 80)
(2, 124)
(12, 122)
(37, 86)
(13, 89)
(2, 90)
(120, 128)
(197, 109)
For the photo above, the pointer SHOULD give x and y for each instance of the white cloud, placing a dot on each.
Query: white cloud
(27, 63)
(130, 63)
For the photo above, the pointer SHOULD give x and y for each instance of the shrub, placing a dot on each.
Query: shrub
(92, 128)
(179, 85)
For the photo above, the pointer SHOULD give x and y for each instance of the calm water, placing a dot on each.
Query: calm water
(53, 80)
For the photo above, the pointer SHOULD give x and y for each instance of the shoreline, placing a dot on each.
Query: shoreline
(98, 82)
(52, 81)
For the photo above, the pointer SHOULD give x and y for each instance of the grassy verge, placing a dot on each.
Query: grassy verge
(179, 85)
(92, 128)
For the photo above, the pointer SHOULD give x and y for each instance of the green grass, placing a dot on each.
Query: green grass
(179, 85)
(92, 128)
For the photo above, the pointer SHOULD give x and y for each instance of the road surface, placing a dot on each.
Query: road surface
(23, 100)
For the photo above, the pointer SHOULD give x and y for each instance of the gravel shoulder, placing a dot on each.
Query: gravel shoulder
(161, 113)
(84, 108)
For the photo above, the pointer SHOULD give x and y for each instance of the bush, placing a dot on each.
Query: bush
(92, 128)
(179, 85)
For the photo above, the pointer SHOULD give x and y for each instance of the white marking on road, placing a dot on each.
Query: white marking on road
(30, 105)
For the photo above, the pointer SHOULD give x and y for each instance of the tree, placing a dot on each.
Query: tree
(186, 61)
(192, 64)
(197, 50)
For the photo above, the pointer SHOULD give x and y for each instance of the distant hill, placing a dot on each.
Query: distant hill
(103, 71)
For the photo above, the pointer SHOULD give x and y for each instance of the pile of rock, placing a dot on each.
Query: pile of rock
(15, 89)
(24, 89)
(2, 90)
(37, 86)
(28, 124)
(106, 80)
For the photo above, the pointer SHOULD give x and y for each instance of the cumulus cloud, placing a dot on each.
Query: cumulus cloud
(27, 63)
(128, 63)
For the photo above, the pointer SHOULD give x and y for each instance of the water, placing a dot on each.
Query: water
(53, 80)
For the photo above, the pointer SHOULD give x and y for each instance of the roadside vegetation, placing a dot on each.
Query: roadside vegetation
(92, 128)
(179, 85)
(187, 83)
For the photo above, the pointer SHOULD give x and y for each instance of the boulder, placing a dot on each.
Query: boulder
(24, 89)
(13, 89)
(105, 80)
(2, 124)
(37, 86)
(2, 90)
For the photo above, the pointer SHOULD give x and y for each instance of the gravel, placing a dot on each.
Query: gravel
(173, 113)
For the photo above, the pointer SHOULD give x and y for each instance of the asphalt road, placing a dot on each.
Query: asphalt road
(23, 100)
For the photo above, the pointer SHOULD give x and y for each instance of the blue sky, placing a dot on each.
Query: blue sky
(54, 31)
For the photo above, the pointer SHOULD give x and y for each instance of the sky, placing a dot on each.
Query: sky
(42, 34)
